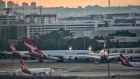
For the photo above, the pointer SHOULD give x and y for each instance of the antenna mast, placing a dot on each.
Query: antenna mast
(108, 3)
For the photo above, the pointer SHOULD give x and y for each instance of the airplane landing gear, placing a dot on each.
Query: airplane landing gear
(34, 74)
(40, 61)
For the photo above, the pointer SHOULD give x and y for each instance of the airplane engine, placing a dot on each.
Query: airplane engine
(72, 57)
(66, 57)
(46, 72)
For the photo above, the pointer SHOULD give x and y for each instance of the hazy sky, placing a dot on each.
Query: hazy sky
(75, 3)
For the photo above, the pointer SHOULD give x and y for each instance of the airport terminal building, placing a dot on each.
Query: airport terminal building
(92, 25)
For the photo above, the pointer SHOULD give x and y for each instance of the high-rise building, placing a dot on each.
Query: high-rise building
(12, 31)
(41, 19)
(2, 4)
(33, 4)
(16, 5)
(10, 4)
(24, 4)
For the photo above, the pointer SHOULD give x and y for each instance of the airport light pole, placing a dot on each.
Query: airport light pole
(108, 61)
(85, 35)
(108, 66)
(59, 39)
(84, 43)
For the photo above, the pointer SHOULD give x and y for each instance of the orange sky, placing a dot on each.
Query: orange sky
(75, 3)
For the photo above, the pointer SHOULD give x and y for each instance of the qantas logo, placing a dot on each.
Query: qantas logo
(123, 60)
(24, 68)
(33, 49)
(13, 48)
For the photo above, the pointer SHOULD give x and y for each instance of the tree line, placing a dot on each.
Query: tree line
(63, 39)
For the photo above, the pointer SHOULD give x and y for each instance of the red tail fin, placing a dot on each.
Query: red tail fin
(32, 48)
(124, 61)
(13, 49)
(24, 69)
(22, 65)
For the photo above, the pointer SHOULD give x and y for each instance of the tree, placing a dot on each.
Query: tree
(117, 44)
(123, 33)
(4, 45)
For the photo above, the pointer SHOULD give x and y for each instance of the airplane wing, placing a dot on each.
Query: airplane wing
(114, 55)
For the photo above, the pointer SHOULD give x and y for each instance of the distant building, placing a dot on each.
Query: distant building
(122, 15)
(75, 20)
(4, 19)
(78, 30)
(16, 5)
(96, 17)
(90, 26)
(127, 41)
(24, 4)
(33, 5)
(2, 4)
(10, 4)
(41, 19)
(105, 31)
(12, 31)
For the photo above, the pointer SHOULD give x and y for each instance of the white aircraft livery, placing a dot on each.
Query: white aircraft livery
(129, 64)
(19, 54)
(67, 54)
(52, 54)
(35, 71)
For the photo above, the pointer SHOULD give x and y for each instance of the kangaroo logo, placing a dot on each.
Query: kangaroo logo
(14, 50)
(24, 68)
(124, 61)
(33, 49)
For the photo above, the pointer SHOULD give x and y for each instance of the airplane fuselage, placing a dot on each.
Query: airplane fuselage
(37, 70)
(135, 64)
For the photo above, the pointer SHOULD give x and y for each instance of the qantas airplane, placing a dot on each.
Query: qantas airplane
(103, 56)
(35, 52)
(129, 64)
(53, 54)
(68, 54)
(19, 54)
(14, 51)
(35, 71)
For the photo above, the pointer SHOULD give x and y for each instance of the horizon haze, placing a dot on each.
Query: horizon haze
(76, 3)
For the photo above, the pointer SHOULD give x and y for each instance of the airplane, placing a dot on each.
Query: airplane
(35, 52)
(14, 51)
(58, 55)
(125, 62)
(19, 54)
(35, 71)
(62, 55)
(103, 55)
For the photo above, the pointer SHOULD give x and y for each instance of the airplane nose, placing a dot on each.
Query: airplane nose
(52, 70)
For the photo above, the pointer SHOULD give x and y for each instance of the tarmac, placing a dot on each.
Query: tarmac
(85, 69)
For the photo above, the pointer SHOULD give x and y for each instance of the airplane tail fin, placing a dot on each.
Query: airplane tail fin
(124, 61)
(22, 65)
(33, 50)
(13, 49)
(24, 68)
